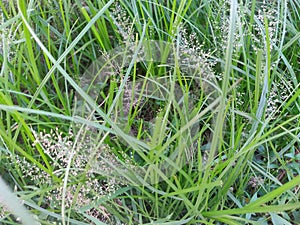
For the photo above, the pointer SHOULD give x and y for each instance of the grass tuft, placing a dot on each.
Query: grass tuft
(149, 112)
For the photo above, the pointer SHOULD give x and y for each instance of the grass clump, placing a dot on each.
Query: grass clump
(143, 112)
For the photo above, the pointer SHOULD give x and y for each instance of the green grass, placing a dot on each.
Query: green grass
(99, 125)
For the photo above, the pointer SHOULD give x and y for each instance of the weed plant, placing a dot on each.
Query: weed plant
(225, 150)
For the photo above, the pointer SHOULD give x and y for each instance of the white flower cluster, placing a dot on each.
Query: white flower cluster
(221, 26)
(192, 56)
(267, 10)
(84, 184)
(123, 22)
(280, 92)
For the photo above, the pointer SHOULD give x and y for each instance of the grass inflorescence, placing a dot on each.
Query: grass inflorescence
(149, 112)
